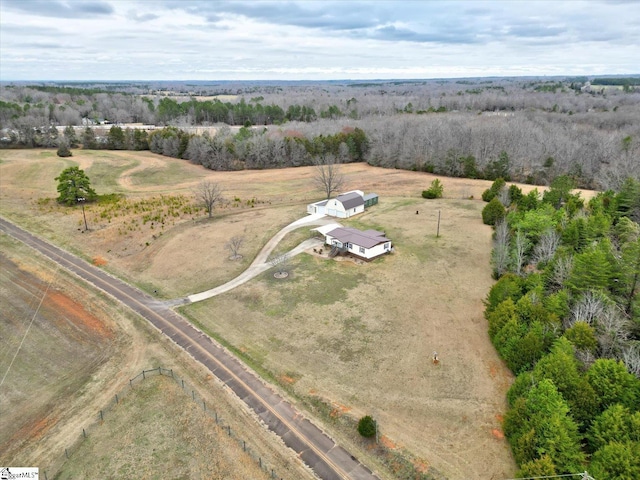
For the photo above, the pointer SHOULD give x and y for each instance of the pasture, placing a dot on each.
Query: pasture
(357, 336)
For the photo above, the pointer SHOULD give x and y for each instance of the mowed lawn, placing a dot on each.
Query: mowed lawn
(358, 335)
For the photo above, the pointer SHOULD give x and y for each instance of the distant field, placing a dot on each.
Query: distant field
(358, 336)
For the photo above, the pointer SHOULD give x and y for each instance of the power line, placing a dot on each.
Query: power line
(29, 327)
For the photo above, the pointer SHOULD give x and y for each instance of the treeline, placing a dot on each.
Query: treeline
(616, 81)
(209, 112)
(258, 149)
(249, 148)
(528, 130)
(599, 152)
(565, 317)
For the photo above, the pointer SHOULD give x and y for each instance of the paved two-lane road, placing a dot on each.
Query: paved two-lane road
(327, 459)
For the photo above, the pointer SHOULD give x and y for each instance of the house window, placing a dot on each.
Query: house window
(387, 245)
(361, 249)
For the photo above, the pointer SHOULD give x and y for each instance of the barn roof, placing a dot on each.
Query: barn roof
(350, 200)
(366, 239)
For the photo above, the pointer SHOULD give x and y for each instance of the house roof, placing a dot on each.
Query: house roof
(366, 239)
(350, 200)
(370, 195)
(324, 229)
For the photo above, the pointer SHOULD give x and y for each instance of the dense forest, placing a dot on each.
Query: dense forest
(524, 129)
(565, 316)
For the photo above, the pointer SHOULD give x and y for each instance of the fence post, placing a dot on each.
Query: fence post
(183, 384)
(193, 395)
(204, 405)
(66, 453)
(84, 433)
(101, 417)
(130, 380)
(260, 461)
(229, 428)
(45, 475)
(116, 398)
(244, 446)
(143, 377)
(171, 372)
(216, 417)
(159, 372)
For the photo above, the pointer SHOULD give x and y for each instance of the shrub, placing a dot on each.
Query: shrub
(63, 150)
(435, 191)
(493, 212)
(492, 192)
(367, 426)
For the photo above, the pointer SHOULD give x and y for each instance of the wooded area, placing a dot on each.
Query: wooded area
(565, 317)
(525, 129)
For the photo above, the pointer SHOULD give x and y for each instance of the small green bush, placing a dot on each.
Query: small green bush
(493, 212)
(367, 426)
(435, 191)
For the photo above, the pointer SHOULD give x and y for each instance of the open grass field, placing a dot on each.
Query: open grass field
(155, 430)
(359, 337)
(66, 351)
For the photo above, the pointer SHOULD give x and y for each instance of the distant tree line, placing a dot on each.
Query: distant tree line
(258, 148)
(565, 317)
(527, 130)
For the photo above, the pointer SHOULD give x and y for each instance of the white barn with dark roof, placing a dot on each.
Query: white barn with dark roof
(344, 205)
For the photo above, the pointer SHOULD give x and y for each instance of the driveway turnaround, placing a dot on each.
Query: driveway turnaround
(260, 263)
(327, 459)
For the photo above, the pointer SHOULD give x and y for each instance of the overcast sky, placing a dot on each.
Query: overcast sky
(314, 40)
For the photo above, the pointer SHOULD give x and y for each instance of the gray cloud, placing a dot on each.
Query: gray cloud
(391, 33)
(156, 39)
(60, 9)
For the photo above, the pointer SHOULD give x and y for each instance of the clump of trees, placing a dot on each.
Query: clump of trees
(565, 316)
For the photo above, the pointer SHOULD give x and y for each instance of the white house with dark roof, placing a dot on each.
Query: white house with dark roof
(344, 205)
(366, 244)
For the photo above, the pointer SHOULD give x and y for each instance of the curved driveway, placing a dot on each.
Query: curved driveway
(328, 460)
(260, 263)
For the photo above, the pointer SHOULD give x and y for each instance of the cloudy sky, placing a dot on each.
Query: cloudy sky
(315, 40)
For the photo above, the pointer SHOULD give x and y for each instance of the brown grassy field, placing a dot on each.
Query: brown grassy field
(357, 336)
(170, 436)
(79, 350)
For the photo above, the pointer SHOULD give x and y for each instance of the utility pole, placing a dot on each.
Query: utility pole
(438, 231)
(81, 202)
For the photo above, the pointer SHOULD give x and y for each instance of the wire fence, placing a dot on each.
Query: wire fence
(86, 432)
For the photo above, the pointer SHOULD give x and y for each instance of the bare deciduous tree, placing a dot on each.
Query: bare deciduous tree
(280, 263)
(562, 270)
(520, 250)
(208, 194)
(500, 253)
(328, 176)
(546, 248)
(612, 332)
(588, 309)
(631, 358)
(233, 245)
